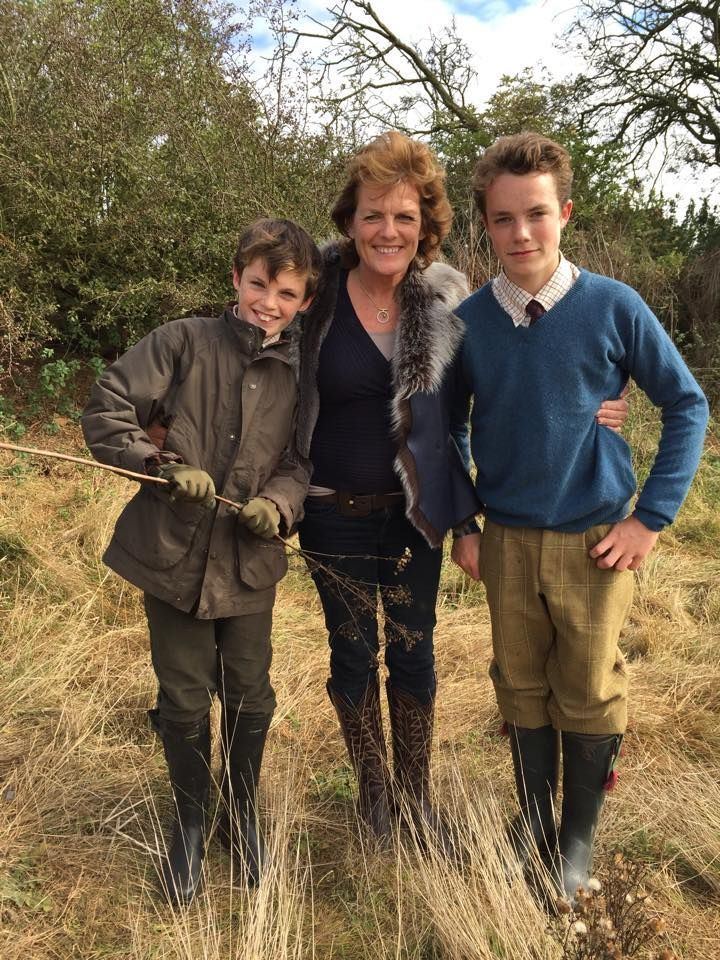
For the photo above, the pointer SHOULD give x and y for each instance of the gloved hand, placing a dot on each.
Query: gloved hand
(189, 483)
(261, 516)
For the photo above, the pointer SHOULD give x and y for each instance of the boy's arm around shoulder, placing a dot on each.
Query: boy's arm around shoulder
(122, 401)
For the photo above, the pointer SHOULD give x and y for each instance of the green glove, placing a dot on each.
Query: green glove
(189, 483)
(262, 517)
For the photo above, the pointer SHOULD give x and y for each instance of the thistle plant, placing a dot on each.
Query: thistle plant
(614, 919)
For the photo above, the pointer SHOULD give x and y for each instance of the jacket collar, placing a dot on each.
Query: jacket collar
(250, 339)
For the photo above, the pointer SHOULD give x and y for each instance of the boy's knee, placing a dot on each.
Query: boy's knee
(179, 710)
(258, 698)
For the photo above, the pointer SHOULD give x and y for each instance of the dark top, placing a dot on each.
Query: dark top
(352, 447)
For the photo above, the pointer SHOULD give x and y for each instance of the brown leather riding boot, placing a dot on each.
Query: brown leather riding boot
(361, 725)
(412, 729)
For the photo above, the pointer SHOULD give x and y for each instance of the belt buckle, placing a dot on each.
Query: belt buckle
(352, 505)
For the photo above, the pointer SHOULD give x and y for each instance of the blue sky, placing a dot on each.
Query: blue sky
(489, 9)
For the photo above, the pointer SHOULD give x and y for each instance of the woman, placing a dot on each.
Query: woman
(388, 481)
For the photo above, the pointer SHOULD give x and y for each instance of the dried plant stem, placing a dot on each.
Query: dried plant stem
(83, 461)
(342, 582)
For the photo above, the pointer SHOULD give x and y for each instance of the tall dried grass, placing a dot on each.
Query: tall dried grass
(84, 800)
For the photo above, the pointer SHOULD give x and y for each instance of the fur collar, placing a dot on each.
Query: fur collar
(430, 333)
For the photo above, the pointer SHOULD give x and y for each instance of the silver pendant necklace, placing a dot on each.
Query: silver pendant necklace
(383, 313)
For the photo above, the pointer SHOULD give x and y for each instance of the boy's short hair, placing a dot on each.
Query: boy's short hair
(283, 245)
(520, 154)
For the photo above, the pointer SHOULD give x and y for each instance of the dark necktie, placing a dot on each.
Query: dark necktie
(534, 309)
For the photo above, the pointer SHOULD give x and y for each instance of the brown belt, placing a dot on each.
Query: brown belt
(361, 504)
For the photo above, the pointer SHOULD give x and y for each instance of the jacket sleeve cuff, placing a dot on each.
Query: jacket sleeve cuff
(465, 528)
(153, 463)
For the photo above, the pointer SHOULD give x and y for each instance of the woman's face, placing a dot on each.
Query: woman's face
(386, 228)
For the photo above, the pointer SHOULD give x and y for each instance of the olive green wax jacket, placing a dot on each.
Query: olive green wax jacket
(202, 391)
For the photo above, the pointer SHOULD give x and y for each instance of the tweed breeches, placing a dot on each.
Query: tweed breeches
(556, 621)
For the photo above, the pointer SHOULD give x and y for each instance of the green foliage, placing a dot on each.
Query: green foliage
(22, 889)
(10, 426)
(55, 375)
(135, 148)
(334, 785)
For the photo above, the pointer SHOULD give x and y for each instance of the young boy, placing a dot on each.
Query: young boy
(545, 342)
(209, 405)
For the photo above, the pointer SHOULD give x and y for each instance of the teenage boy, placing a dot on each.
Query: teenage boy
(545, 343)
(208, 404)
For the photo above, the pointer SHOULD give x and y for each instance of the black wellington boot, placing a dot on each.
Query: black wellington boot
(535, 754)
(588, 762)
(361, 725)
(243, 738)
(187, 752)
(412, 731)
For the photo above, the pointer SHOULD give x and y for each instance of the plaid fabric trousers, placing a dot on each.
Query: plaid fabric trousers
(556, 620)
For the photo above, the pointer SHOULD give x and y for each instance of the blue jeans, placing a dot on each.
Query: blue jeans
(369, 556)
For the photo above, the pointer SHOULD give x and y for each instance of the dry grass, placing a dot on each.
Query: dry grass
(84, 798)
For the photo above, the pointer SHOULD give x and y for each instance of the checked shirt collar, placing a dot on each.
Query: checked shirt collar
(513, 299)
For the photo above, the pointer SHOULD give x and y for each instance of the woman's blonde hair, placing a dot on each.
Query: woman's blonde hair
(389, 159)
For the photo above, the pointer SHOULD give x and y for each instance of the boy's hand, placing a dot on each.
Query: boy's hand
(262, 517)
(625, 546)
(614, 413)
(466, 554)
(189, 483)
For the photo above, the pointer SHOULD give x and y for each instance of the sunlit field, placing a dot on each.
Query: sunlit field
(84, 797)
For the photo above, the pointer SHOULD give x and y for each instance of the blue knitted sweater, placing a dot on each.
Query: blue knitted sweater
(542, 460)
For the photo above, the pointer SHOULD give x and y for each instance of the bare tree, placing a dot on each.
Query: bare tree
(367, 69)
(654, 72)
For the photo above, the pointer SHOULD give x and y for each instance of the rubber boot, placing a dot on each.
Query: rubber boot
(361, 725)
(187, 752)
(588, 762)
(535, 754)
(412, 730)
(242, 742)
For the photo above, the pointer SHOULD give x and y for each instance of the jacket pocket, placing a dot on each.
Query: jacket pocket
(261, 563)
(159, 533)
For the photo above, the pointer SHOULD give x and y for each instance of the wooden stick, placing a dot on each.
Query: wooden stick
(355, 589)
(102, 466)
